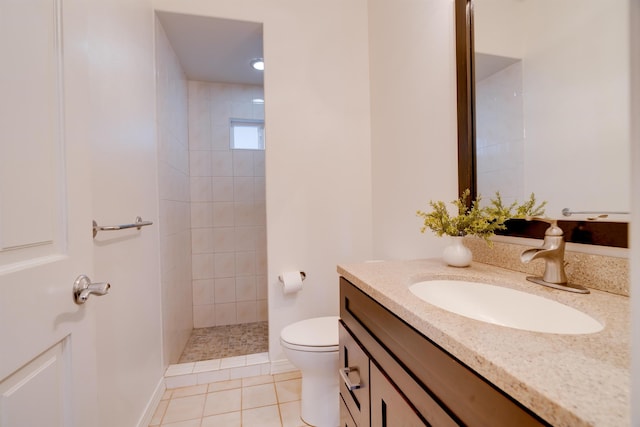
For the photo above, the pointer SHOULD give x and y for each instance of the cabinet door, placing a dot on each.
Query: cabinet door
(345, 416)
(354, 382)
(388, 406)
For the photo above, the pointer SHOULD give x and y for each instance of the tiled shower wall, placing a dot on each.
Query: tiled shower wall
(174, 221)
(228, 217)
(500, 135)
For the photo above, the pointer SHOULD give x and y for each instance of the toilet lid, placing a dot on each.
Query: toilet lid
(315, 332)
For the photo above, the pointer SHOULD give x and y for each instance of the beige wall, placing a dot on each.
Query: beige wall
(174, 220)
(318, 157)
(498, 27)
(413, 121)
(124, 184)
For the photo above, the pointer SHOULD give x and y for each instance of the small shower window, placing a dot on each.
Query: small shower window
(247, 134)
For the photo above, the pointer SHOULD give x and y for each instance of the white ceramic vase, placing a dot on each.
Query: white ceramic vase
(457, 254)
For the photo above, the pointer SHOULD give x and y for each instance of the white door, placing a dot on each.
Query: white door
(47, 351)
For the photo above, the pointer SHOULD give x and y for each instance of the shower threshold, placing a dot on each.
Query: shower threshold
(209, 371)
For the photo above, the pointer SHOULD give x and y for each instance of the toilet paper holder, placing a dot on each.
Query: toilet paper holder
(303, 275)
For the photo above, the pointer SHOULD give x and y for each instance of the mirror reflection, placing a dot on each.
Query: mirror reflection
(552, 88)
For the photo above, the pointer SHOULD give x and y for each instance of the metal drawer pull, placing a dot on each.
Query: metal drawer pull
(344, 373)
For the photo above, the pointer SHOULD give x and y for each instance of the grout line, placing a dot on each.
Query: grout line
(242, 410)
(279, 411)
(164, 412)
(204, 405)
(241, 401)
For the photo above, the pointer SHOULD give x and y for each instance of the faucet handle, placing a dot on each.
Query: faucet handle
(553, 229)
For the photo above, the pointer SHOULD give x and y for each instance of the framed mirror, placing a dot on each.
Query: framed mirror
(543, 108)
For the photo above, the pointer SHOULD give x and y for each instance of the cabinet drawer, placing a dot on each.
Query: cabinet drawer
(354, 366)
(388, 405)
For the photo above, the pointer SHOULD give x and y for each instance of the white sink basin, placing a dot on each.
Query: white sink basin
(505, 307)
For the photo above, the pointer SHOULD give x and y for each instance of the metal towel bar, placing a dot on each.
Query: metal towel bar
(138, 224)
(600, 214)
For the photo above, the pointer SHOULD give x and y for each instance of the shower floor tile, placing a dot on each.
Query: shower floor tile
(226, 341)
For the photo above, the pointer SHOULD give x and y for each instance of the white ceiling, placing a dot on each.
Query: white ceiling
(487, 64)
(214, 49)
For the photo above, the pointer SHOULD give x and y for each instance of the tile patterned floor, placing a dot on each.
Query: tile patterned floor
(262, 401)
(226, 341)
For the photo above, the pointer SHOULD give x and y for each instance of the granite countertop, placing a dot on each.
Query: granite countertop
(568, 380)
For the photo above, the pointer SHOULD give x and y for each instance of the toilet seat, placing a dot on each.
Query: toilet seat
(319, 334)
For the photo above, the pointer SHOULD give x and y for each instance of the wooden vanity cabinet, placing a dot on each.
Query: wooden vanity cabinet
(407, 380)
(378, 402)
(389, 407)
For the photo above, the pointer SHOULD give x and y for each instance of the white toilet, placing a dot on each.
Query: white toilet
(312, 346)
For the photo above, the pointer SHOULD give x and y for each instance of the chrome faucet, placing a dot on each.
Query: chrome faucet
(552, 252)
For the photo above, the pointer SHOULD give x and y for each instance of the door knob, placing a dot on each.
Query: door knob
(83, 288)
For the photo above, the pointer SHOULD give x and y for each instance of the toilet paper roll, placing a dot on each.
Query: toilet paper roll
(291, 281)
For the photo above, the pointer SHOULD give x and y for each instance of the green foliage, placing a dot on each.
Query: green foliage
(515, 210)
(475, 220)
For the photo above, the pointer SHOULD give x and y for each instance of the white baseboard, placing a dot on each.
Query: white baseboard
(150, 409)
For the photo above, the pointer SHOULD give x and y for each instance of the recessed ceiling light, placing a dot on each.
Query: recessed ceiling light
(258, 64)
(257, 101)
